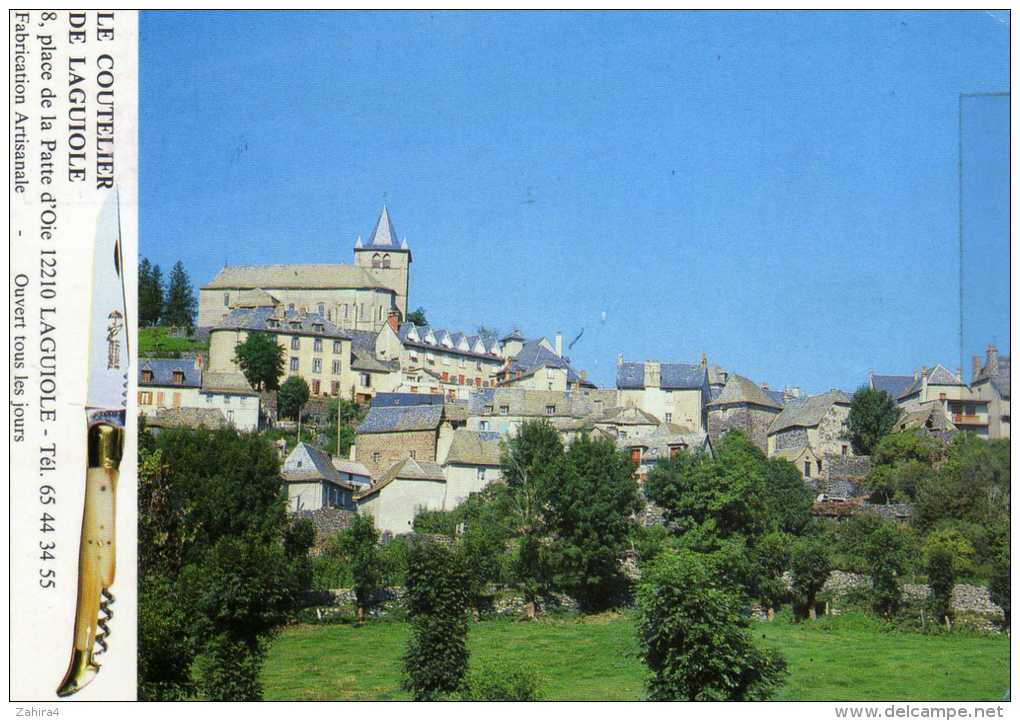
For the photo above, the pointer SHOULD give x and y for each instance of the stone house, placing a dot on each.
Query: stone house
(539, 365)
(352, 472)
(406, 487)
(626, 423)
(990, 386)
(673, 392)
(369, 373)
(745, 406)
(815, 422)
(232, 394)
(314, 348)
(503, 410)
(169, 383)
(809, 462)
(460, 360)
(471, 463)
(312, 481)
(357, 297)
(389, 434)
(967, 412)
(665, 442)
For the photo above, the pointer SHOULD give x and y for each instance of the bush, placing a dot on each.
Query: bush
(501, 681)
(941, 579)
(695, 638)
(887, 552)
(998, 586)
(437, 598)
(229, 670)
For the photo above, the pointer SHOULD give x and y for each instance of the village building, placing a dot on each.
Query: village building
(818, 423)
(937, 384)
(356, 297)
(459, 361)
(745, 406)
(184, 383)
(893, 385)
(503, 410)
(930, 417)
(312, 481)
(666, 442)
(353, 472)
(539, 365)
(623, 423)
(404, 489)
(990, 387)
(389, 434)
(314, 348)
(673, 392)
(471, 463)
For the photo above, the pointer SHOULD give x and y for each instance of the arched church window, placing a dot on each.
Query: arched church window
(386, 261)
(376, 261)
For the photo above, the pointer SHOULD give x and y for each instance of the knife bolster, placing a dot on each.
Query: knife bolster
(105, 445)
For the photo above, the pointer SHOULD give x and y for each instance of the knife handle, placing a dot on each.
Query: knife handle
(96, 554)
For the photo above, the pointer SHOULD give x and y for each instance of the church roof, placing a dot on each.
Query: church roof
(384, 237)
(309, 275)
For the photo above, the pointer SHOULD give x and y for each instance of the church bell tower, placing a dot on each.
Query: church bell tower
(386, 259)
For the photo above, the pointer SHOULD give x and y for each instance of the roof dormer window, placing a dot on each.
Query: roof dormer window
(147, 376)
(179, 377)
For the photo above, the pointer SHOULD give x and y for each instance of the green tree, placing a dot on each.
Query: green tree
(873, 415)
(938, 564)
(298, 539)
(417, 316)
(590, 516)
(887, 550)
(972, 484)
(771, 559)
(360, 543)
(786, 497)
(260, 358)
(180, 306)
(721, 497)
(481, 551)
(436, 658)
(998, 584)
(530, 462)
(150, 293)
(292, 396)
(695, 637)
(810, 565)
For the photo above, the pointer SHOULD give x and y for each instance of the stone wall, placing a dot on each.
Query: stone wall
(327, 522)
(847, 467)
(752, 421)
(791, 438)
(393, 447)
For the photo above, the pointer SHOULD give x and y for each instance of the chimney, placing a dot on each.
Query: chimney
(959, 374)
(559, 344)
(993, 360)
(394, 320)
(619, 360)
(764, 386)
(975, 367)
(704, 360)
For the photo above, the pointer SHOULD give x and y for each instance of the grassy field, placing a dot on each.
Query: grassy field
(595, 658)
(155, 342)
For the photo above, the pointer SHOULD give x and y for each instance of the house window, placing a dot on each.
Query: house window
(550, 410)
(807, 469)
(386, 261)
(669, 418)
(146, 376)
(635, 456)
(316, 365)
(159, 399)
(295, 343)
(413, 453)
(230, 417)
(366, 380)
(179, 377)
(334, 388)
(322, 309)
(177, 400)
(145, 398)
(337, 347)
(478, 382)
(376, 456)
(226, 400)
(317, 345)
(483, 425)
(294, 364)
(460, 380)
(290, 307)
(376, 260)
(481, 474)
(819, 464)
(844, 451)
(315, 387)
(488, 409)
(336, 367)
(504, 410)
(446, 376)
(226, 299)
(414, 389)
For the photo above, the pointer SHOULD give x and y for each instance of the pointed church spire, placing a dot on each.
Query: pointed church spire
(358, 243)
(384, 235)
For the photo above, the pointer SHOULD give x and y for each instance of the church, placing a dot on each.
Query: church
(351, 297)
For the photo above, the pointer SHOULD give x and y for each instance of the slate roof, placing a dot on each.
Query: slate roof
(514, 335)
(474, 448)
(409, 469)
(937, 376)
(308, 275)
(673, 376)
(384, 400)
(227, 382)
(533, 356)
(258, 319)
(527, 402)
(739, 389)
(321, 468)
(492, 348)
(163, 372)
(396, 419)
(893, 385)
(384, 237)
(919, 419)
(807, 412)
(628, 417)
(1000, 380)
(345, 465)
(253, 299)
(363, 357)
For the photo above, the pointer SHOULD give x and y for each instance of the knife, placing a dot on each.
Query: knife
(105, 415)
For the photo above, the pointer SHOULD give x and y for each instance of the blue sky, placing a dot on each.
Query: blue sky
(776, 190)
